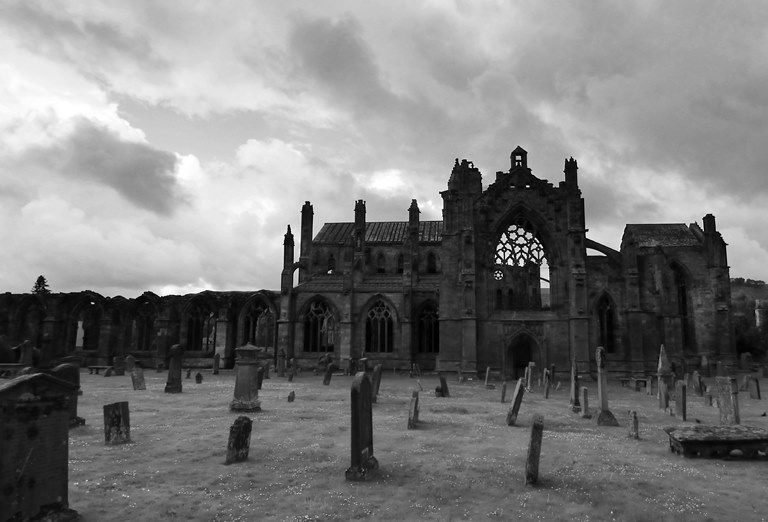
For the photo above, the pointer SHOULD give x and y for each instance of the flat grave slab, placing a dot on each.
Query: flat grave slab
(718, 441)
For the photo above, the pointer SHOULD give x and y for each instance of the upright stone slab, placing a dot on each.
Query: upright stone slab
(604, 416)
(681, 401)
(239, 440)
(547, 383)
(754, 388)
(118, 364)
(291, 373)
(292, 396)
(117, 423)
(634, 428)
(413, 411)
(130, 363)
(216, 363)
(137, 378)
(585, 403)
(664, 370)
(529, 376)
(259, 376)
(696, 383)
(487, 374)
(442, 390)
(649, 385)
(663, 394)
(552, 374)
(71, 373)
(328, 374)
(517, 400)
(363, 462)
(534, 450)
(198, 378)
(173, 385)
(503, 392)
(376, 382)
(246, 380)
(728, 400)
(281, 363)
(574, 402)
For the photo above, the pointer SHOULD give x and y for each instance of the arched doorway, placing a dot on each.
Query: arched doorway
(521, 350)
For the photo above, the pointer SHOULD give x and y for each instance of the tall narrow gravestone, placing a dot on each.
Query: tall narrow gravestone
(413, 411)
(281, 363)
(604, 416)
(442, 390)
(376, 382)
(517, 400)
(728, 400)
(246, 381)
(259, 377)
(118, 363)
(575, 406)
(363, 462)
(534, 450)
(173, 385)
(634, 428)
(681, 406)
(239, 440)
(487, 374)
(328, 374)
(117, 423)
(663, 394)
(503, 392)
(137, 379)
(547, 382)
(754, 388)
(216, 363)
(585, 403)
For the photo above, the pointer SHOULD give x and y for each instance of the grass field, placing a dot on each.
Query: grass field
(462, 463)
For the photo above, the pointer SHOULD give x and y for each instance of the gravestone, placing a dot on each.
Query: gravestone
(117, 423)
(534, 450)
(292, 396)
(259, 377)
(604, 416)
(328, 374)
(442, 390)
(663, 395)
(363, 462)
(528, 378)
(291, 373)
(109, 372)
(574, 402)
(503, 392)
(130, 363)
(547, 382)
(189, 373)
(198, 378)
(649, 385)
(267, 367)
(137, 378)
(460, 376)
(696, 383)
(487, 374)
(173, 385)
(216, 363)
(71, 373)
(634, 429)
(118, 363)
(664, 370)
(246, 380)
(585, 403)
(281, 363)
(413, 411)
(517, 400)
(239, 440)
(552, 374)
(754, 388)
(376, 382)
(531, 370)
(681, 401)
(728, 400)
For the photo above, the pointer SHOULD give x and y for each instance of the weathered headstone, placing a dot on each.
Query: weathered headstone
(663, 394)
(574, 402)
(198, 378)
(547, 383)
(376, 382)
(118, 364)
(754, 388)
(534, 450)
(363, 462)
(216, 363)
(531, 367)
(137, 378)
(281, 363)
(267, 367)
(649, 384)
(728, 400)
(604, 416)
(664, 371)
(189, 373)
(503, 392)
(246, 380)
(173, 385)
(552, 374)
(585, 403)
(117, 423)
(328, 374)
(487, 374)
(442, 390)
(239, 440)
(259, 376)
(517, 400)
(71, 373)
(291, 373)
(292, 396)
(681, 401)
(413, 411)
(130, 363)
(696, 383)
(634, 429)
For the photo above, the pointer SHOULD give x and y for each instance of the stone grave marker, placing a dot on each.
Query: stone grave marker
(574, 401)
(118, 364)
(413, 411)
(109, 372)
(503, 392)
(604, 416)
(71, 373)
(649, 384)
(442, 390)
(281, 363)
(634, 429)
(728, 400)
(117, 423)
(137, 378)
(246, 380)
(216, 363)
(696, 383)
(534, 450)
(198, 378)
(259, 376)
(376, 382)
(552, 375)
(173, 385)
(585, 403)
(130, 363)
(328, 374)
(547, 383)
(681, 401)
(663, 394)
(517, 400)
(292, 396)
(291, 373)
(363, 462)
(754, 388)
(487, 374)
(239, 440)
(189, 373)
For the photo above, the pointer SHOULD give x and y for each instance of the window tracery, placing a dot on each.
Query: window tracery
(379, 328)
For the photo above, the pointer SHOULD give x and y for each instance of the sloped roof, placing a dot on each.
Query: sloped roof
(663, 235)
(380, 232)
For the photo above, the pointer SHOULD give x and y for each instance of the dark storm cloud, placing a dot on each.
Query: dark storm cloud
(141, 174)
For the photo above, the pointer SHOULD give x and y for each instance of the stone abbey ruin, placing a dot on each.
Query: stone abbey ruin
(508, 277)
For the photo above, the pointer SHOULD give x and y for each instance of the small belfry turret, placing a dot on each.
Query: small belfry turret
(571, 177)
(519, 158)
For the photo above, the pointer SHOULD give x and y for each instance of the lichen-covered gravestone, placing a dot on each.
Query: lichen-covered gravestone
(328, 374)
(681, 406)
(137, 379)
(754, 388)
(604, 417)
(413, 411)
(239, 441)
(503, 392)
(130, 363)
(246, 381)
(118, 363)
(117, 423)
(173, 384)
(517, 400)
(363, 462)
(534, 450)
(292, 396)
(634, 428)
(442, 390)
(198, 378)
(585, 403)
(728, 400)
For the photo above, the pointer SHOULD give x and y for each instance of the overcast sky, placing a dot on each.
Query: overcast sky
(165, 146)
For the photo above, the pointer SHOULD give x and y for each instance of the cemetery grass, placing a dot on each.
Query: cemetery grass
(461, 463)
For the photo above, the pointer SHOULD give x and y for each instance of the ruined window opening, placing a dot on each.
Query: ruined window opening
(379, 329)
(428, 336)
(606, 324)
(521, 267)
(259, 327)
(319, 328)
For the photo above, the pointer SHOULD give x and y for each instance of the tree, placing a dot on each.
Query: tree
(41, 286)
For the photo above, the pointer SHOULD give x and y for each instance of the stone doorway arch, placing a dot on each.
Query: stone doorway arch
(521, 349)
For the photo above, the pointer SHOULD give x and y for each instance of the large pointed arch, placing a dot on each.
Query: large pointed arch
(606, 323)
(320, 320)
(257, 322)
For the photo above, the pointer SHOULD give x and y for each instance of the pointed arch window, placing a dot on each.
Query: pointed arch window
(379, 329)
(606, 324)
(319, 328)
(427, 334)
(259, 326)
(521, 268)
